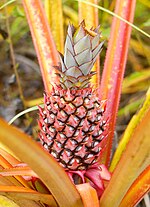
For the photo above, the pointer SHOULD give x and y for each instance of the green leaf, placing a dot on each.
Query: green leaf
(7, 3)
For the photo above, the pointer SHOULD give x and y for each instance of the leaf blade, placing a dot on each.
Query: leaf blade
(134, 160)
(114, 67)
(43, 41)
(139, 188)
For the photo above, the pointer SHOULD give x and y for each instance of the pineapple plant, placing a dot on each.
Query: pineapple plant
(71, 123)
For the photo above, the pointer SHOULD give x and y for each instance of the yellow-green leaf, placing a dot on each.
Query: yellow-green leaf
(130, 130)
(134, 160)
(55, 17)
(5, 202)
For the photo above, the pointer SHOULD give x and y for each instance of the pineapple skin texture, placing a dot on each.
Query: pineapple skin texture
(72, 124)
(72, 127)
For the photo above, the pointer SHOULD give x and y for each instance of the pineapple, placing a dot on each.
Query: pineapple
(71, 123)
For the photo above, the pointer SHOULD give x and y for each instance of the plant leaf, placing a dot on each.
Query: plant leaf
(114, 67)
(5, 202)
(44, 165)
(24, 112)
(17, 180)
(139, 188)
(130, 130)
(43, 41)
(23, 171)
(55, 18)
(88, 195)
(10, 158)
(7, 3)
(18, 192)
(135, 159)
(115, 15)
(136, 81)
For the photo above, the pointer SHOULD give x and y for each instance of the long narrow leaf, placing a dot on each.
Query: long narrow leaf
(5, 202)
(129, 131)
(10, 202)
(114, 66)
(45, 166)
(18, 180)
(43, 41)
(116, 15)
(88, 195)
(55, 18)
(137, 191)
(18, 192)
(23, 171)
(84, 11)
(10, 158)
(134, 160)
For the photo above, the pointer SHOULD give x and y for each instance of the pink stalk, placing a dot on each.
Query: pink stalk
(114, 67)
(43, 41)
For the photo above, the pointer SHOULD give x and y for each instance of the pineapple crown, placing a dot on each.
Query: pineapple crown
(82, 47)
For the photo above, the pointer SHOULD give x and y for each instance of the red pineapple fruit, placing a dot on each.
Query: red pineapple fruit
(71, 123)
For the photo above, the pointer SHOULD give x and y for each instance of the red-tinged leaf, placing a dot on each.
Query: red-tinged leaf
(16, 189)
(84, 11)
(6, 180)
(134, 160)
(17, 180)
(42, 163)
(43, 41)
(18, 192)
(114, 66)
(138, 189)
(88, 195)
(10, 158)
(22, 171)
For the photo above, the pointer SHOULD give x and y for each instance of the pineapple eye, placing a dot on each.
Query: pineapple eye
(44, 112)
(90, 156)
(49, 107)
(52, 129)
(62, 135)
(98, 117)
(85, 139)
(52, 116)
(95, 143)
(44, 128)
(78, 148)
(54, 154)
(86, 100)
(92, 128)
(45, 146)
(46, 120)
